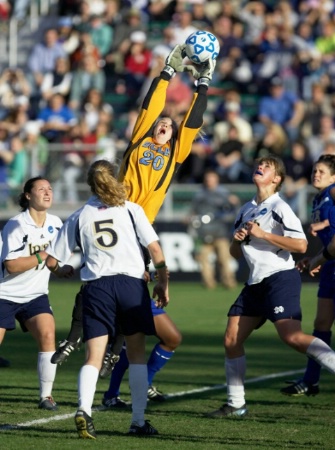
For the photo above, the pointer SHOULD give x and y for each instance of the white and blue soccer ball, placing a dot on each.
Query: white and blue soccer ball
(202, 46)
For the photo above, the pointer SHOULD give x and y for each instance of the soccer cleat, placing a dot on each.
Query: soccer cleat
(228, 411)
(108, 365)
(48, 403)
(84, 424)
(155, 395)
(299, 387)
(114, 403)
(63, 351)
(145, 430)
(4, 362)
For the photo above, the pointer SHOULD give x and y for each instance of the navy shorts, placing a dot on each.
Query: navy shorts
(114, 304)
(327, 281)
(9, 311)
(276, 297)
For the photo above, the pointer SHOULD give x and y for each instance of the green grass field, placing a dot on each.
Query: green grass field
(193, 378)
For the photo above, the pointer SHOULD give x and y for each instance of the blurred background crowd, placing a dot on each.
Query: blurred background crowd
(76, 96)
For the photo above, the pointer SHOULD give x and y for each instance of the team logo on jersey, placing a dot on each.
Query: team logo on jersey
(42, 236)
(278, 309)
(51, 229)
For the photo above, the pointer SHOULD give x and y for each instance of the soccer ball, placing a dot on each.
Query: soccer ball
(201, 46)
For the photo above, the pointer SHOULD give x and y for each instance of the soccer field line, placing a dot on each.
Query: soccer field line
(168, 396)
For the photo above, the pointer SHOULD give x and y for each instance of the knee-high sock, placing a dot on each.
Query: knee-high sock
(87, 382)
(138, 383)
(118, 373)
(323, 354)
(313, 369)
(235, 373)
(46, 373)
(158, 358)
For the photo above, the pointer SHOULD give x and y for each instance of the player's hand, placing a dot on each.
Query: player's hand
(66, 271)
(303, 264)
(175, 61)
(206, 71)
(161, 294)
(314, 266)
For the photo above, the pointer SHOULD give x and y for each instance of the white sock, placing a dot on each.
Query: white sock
(235, 373)
(87, 382)
(323, 354)
(46, 373)
(138, 383)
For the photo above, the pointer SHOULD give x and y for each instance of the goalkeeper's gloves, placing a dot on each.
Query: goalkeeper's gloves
(206, 72)
(174, 62)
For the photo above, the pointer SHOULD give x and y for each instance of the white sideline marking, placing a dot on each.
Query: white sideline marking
(176, 394)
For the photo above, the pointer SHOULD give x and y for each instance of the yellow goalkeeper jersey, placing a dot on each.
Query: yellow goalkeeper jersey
(147, 168)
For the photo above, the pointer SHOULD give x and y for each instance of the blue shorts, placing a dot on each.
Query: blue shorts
(276, 297)
(117, 304)
(155, 310)
(9, 311)
(327, 281)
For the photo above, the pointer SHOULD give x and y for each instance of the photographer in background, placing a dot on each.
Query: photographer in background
(213, 211)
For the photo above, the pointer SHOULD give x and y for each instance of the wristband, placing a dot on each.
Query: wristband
(54, 269)
(161, 265)
(327, 255)
(39, 259)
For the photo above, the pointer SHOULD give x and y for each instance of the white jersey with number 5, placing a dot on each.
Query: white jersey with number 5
(107, 239)
(22, 237)
(274, 216)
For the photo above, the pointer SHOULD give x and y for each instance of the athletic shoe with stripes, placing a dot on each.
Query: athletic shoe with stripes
(63, 351)
(298, 388)
(228, 411)
(145, 430)
(84, 424)
(48, 403)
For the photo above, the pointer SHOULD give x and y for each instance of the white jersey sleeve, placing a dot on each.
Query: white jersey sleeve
(274, 216)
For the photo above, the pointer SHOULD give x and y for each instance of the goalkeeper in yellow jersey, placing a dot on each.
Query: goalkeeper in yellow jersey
(157, 148)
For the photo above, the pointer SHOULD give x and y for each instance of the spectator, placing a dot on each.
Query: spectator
(15, 121)
(122, 31)
(181, 25)
(92, 108)
(317, 106)
(79, 150)
(298, 167)
(273, 142)
(43, 58)
(87, 76)
(228, 159)
(37, 148)
(56, 118)
(212, 215)
(68, 36)
(6, 157)
(85, 48)
(136, 63)
(13, 85)
(316, 143)
(18, 168)
(178, 97)
(232, 118)
(58, 81)
(101, 33)
(281, 107)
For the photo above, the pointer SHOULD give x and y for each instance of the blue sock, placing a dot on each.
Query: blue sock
(313, 369)
(157, 360)
(118, 372)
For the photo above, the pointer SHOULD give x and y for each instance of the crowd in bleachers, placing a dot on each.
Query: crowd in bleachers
(273, 90)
